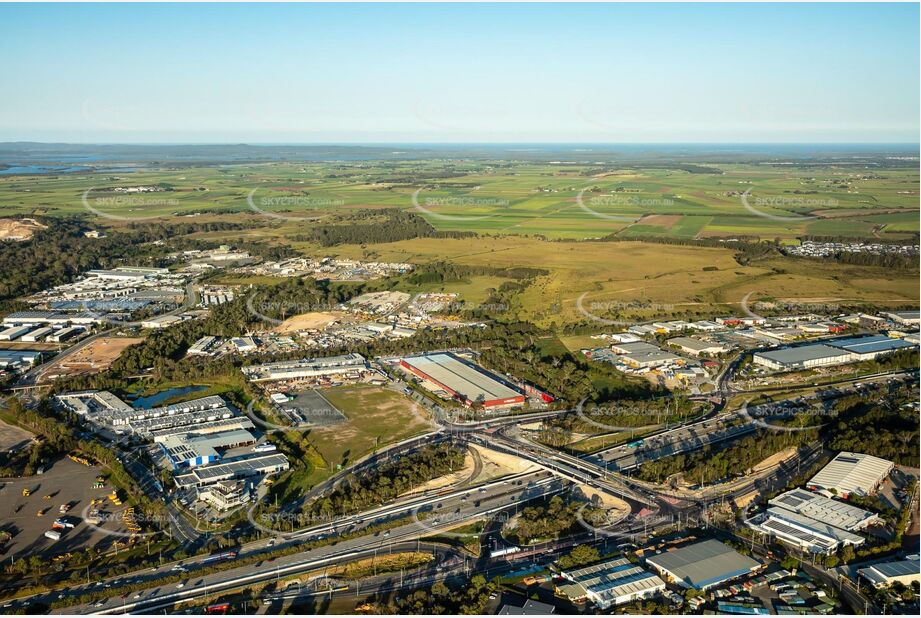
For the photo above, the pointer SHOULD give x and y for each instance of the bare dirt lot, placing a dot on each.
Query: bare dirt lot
(19, 229)
(311, 321)
(95, 356)
(65, 482)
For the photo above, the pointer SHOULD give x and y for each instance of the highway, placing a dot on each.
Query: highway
(425, 516)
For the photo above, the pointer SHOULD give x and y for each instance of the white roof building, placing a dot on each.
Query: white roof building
(834, 512)
(804, 532)
(611, 583)
(851, 473)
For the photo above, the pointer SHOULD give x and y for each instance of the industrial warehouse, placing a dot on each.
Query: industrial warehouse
(610, 583)
(830, 352)
(805, 533)
(702, 565)
(462, 380)
(306, 368)
(851, 474)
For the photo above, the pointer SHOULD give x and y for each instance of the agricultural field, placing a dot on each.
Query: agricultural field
(573, 201)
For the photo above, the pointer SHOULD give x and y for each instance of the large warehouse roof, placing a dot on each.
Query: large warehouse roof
(703, 564)
(464, 379)
(802, 354)
(873, 344)
(834, 512)
(852, 473)
(884, 573)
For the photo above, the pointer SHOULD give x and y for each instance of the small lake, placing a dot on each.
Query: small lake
(156, 399)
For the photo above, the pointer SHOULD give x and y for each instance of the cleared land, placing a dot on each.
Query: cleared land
(19, 229)
(309, 321)
(376, 417)
(91, 358)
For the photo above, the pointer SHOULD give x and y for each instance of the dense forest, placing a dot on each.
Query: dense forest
(714, 464)
(885, 427)
(389, 480)
(391, 225)
(546, 522)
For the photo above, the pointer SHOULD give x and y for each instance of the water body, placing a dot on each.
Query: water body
(25, 170)
(151, 401)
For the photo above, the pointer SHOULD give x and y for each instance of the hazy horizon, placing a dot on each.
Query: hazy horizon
(444, 73)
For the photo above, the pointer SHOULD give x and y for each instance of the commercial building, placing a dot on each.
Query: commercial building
(851, 473)
(803, 532)
(232, 469)
(611, 583)
(226, 495)
(463, 380)
(18, 358)
(65, 333)
(884, 574)
(830, 352)
(204, 346)
(306, 368)
(93, 404)
(833, 512)
(648, 360)
(802, 357)
(162, 321)
(128, 273)
(14, 332)
(908, 318)
(696, 347)
(189, 450)
(206, 428)
(702, 565)
(870, 346)
(38, 334)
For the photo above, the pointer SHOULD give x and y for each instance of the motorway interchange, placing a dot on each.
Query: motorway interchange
(435, 512)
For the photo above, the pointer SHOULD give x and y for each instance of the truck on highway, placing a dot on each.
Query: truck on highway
(505, 551)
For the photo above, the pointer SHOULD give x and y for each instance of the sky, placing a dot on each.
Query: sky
(627, 73)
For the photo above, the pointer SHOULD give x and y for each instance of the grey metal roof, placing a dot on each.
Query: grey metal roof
(883, 572)
(801, 354)
(703, 564)
(462, 378)
(871, 344)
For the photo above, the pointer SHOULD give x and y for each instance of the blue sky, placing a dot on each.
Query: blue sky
(460, 73)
